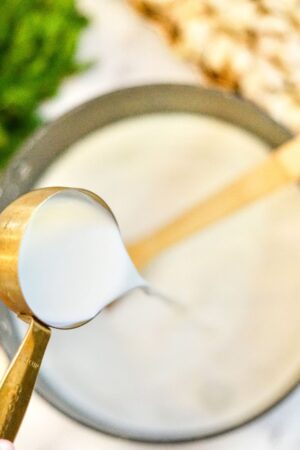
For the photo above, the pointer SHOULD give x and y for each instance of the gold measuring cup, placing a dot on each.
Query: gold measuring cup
(18, 383)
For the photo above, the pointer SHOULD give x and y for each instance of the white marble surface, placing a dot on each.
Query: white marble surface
(128, 52)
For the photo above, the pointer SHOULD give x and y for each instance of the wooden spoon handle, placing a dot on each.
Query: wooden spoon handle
(280, 168)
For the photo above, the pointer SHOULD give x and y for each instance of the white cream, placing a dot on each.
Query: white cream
(143, 366)
(72, 260)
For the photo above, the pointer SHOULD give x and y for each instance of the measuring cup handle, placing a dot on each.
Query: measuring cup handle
(18, 383)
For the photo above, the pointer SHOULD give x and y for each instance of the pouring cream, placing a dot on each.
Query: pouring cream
(72, 260)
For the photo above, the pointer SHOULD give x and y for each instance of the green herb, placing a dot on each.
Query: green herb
(38, 40)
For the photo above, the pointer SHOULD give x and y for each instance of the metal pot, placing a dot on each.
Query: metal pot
(51, 141)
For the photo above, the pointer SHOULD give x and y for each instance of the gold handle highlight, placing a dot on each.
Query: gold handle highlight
(18, 383)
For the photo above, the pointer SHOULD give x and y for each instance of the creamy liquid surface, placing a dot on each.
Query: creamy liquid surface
(148, 368)
(72, 260)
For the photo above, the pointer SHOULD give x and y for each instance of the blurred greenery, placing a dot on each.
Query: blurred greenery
(38, 40)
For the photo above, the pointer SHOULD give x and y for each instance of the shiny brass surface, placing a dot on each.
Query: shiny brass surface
(13, 221)
(17, 385)
(280, 168)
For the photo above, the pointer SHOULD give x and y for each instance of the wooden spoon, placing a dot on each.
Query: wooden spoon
(280, 168)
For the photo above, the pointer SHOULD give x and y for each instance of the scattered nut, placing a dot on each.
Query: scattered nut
(251, 48)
